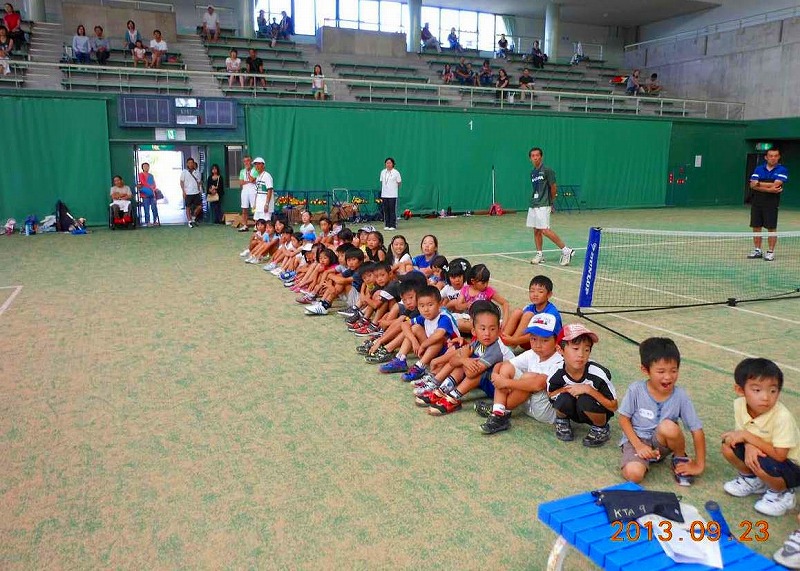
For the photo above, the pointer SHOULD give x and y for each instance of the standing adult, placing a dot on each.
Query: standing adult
(211, 25)
(216, 192)
(147, 189)
(265, 192)
(158, 49)
(192, 187)
(121, 197)
(544, 192)
(390, 187)
(766, 182)
(286, 27)
(247, 176)
(132, 35)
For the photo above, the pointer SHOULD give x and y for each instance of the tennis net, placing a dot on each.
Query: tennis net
(638, 270)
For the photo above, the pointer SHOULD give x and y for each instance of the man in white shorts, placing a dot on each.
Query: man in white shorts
(543, 181)
(265, 192)
(211, 25)
(248, 177)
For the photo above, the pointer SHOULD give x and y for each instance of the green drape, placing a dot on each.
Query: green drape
(54, 149)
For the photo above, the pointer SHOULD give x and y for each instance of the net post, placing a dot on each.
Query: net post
(590, 268)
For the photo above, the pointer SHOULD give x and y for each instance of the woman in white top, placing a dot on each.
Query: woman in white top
(318, 83)
(121, 196)
(390, 186)
(233, 64)
(81, 46)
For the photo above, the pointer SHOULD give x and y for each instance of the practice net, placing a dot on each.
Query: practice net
(640, 270)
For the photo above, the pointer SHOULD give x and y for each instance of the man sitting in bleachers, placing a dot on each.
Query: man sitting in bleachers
(211, 25)
(255, 65)
(653, 86)
(158, 49)
(428, 39)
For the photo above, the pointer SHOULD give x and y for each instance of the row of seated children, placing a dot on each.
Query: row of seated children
(448, 316)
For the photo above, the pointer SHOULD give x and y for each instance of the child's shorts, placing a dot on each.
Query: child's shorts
(539, 407)
(629, 453)
(788, 470)
(486, 384)
(575, 408)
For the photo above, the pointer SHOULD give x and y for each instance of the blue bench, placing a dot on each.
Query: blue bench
(581, 523)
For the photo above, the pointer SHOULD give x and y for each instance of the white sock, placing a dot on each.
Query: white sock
(420, 365)
(566, 249)
(401, 356)
(498, 409)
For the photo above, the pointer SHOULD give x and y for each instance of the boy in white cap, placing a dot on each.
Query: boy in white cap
(581, 390)
(211, 25)
(265, 192)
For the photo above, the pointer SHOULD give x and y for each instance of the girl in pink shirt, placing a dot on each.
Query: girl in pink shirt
(477, 288)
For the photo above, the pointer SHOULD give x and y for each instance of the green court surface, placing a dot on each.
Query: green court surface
(163, 405)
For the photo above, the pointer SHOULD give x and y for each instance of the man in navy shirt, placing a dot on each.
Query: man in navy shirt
(766, 182)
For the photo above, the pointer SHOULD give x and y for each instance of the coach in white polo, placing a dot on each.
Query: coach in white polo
(248, 178)
(390, 187)
(265, 192)
(211, 25)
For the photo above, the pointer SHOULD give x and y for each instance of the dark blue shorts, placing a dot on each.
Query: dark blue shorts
(788, 470)
(486, 384)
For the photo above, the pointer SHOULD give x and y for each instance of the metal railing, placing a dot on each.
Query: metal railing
(141, 5)
(401, 93)
(592, 51)
(725, 26)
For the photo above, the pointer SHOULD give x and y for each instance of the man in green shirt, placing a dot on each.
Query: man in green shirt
(247, 176)
(544, 192)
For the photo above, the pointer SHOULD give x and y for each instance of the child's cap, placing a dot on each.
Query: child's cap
(575, 330)
(542, 325)
(310, 237)
(307, 247)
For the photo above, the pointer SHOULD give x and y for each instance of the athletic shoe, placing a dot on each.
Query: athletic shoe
(316, 309)
(744, 486)
(276, 271)
(391, 228)
(443, 406)
(769, 256)
(364, 348)
(191, 224)
(386, 228)
(285, 275)
(414, 373)
(355, 318)
(538, 258)
(427, 398)
(564, 430)
(288, 283)
(394, 366)
(682, 479)
(496, 423)
(252, 260)
(776, 503)
(598, 435)
(484, 408)
(245, 254)
(789, 554)
(358, 324)
(348, 312)
(367, 331)
(756, 253)
(566, 257)
(380, 356)
(243, 228)
(306, 300)
(428, 384)
(271, 266)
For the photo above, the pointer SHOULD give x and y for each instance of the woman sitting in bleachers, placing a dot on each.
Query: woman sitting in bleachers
(13, 20)
(132, 35)
(6, 43)
(233, 65)
(81, 46)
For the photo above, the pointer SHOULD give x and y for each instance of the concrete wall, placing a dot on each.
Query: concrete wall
(758, 65)
(361, 42)
(612, 38)
(113, 20)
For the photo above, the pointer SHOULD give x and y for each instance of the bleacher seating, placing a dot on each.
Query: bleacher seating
(124, 79)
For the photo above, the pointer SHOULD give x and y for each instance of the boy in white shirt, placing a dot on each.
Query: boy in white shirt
(211, 25)
(158, 49)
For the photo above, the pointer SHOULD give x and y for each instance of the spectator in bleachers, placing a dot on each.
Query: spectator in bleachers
(132, 35)
(286, 27)
(101, 46)
(211, 25)
(5, 64)
(318, 83)
(6, 43)
(139, 54)
(486, 76)
(447, 74)
(13, 20)
(453, 40)
(502, 83)
(653, 86)
(428, 39)
(263, 26)
(255, 65)
(463, 72)
(632, 85)
(274, 32)
(526, 82)
(537, 56)
(158, 49)
(233, 65)
(81, 46)
(502, 47)
(578, 56)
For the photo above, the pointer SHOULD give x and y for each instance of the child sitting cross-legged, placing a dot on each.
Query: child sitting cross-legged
(346, 284)
(477, 288)
(465, 368)
(256, 238)
(765, 447)
(312, 282)
(268, 243)
(377, 303)
(540, 290)
(523, 379)
(454, 274)
(649, 414)
(426, 335)
(291, 242)
(581, 390)
(382, 349)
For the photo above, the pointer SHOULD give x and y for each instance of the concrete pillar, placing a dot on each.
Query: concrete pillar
(246, 18)
(414, 25)
(552, 18)
(35, 10)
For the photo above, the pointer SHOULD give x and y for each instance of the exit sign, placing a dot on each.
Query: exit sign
(763, 146)
(170, 134)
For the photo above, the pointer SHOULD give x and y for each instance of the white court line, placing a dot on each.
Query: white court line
(663, 330)
(737, 308)
(14, 294)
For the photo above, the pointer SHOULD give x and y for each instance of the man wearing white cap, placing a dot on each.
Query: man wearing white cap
(265, 192)
(211, 25)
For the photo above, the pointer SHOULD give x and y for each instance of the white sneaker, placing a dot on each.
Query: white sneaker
(191, 224)
(276, 272)
(245, 253)
(538, 258)
(789, 554)
(776, 503)
(391, 228)
(316, 309)
(269, 267)
(769, 256)
(566, 257)
(756, 253)
(252, 260)
(742, 486)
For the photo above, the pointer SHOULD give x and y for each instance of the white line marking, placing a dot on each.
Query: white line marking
(655, 327)
(7, 302)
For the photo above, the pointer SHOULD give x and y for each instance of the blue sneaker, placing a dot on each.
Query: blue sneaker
(413, 374)
(394, 366)
(289, 275)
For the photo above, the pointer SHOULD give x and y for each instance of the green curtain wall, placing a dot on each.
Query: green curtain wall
(446, 158)
(56, 149)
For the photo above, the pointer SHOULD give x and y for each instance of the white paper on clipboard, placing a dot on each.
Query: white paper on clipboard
(682, 547)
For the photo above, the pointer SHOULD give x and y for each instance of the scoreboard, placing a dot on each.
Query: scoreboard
(171, 112)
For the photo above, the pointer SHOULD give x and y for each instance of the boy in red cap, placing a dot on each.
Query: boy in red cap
(581, 390)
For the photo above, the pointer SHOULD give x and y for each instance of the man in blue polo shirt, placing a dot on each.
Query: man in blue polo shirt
(766, 182)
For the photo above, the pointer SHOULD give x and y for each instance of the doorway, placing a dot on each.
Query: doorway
(166, 164)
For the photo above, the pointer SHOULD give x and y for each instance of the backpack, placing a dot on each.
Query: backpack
(64, 220)
(495, 209)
